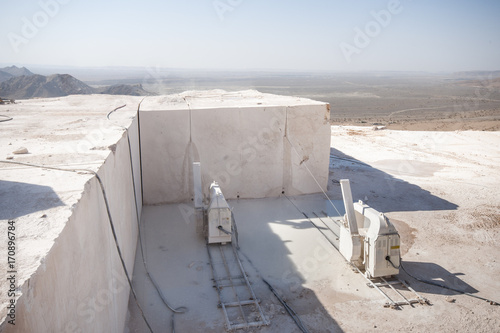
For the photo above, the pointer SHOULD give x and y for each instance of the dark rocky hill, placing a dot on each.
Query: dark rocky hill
(56, 85)
(4, 76)
(16, 71)
(124, 89)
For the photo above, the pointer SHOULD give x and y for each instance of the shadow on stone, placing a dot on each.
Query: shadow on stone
(18, 199)
(385, 192)
(435, 274)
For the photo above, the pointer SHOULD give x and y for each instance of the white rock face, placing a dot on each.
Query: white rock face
(62, 231)
(254, 145)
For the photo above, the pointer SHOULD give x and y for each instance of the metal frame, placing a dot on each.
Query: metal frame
(232, 282)
(394, 304)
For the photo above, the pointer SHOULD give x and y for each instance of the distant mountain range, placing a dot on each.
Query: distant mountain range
(14, 71)
(23, 87)
(4, 76)
(20, 83)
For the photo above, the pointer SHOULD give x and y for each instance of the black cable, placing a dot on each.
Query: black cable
(235, 232)
(441, 285)
(120, 253)
(288, 309)
(153, 281)
(221, 228)
(108, 211)
(139, 144)
(7, 118)
(388, 258)
(141, 247)
(118, 108)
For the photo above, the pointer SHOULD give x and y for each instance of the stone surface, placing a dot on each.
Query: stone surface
(20, 150)
(68, 272)
(255, 145)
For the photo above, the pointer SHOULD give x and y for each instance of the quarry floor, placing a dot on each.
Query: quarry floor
(441, 191)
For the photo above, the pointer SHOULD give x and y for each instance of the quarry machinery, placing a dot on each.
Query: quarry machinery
(218, 216)
(365, 238)
(368, 240)
(237, 299)
(371, 243)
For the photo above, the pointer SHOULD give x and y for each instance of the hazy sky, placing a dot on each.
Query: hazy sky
(420, 35)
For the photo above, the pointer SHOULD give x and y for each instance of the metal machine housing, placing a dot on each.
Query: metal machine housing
(219, 216)
(368, 239)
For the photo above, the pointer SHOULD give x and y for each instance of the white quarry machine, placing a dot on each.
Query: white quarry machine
(219, 227)
(367, 238)
(217, 222)
(218, 216)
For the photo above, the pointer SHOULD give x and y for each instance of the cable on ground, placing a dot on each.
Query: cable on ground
(6, 118)
(141, 246)
(441, 285)
(118, 108)
(288, 309)
(234, 238)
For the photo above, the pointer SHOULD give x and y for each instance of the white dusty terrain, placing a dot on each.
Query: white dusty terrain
(441, 189)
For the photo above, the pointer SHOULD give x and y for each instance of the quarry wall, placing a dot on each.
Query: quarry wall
(253, 152)
(80, 286)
